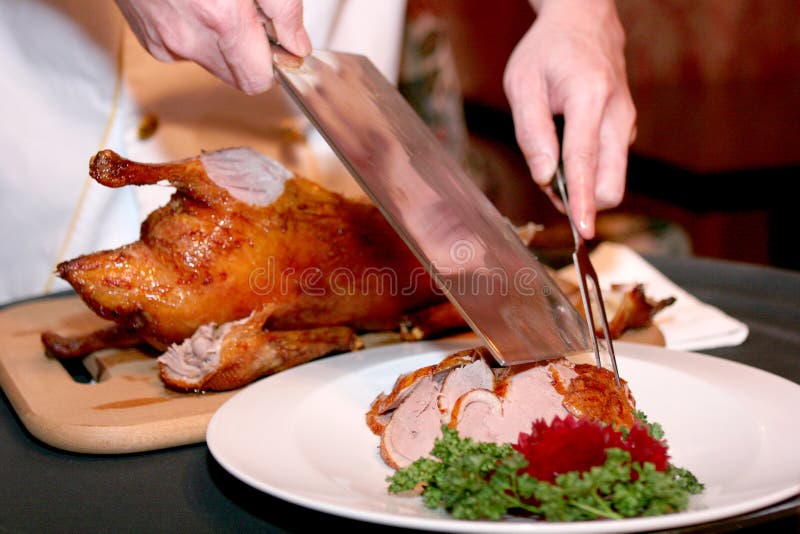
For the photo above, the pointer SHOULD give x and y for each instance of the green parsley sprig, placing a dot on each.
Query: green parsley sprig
(475, 480)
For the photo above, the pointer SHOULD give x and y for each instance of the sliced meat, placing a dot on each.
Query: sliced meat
(381, 408)
(518, 400)
(414, 426)
(461, 380)
(430, 400)
(487, 403)
(404, 385)
(474, 412)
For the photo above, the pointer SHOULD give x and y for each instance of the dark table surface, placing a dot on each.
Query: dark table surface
(183, 489)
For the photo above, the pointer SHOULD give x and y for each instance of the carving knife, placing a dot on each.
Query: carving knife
(494, 280)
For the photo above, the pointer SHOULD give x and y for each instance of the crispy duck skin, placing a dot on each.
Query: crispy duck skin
(76, 346)
(235, 354)
(635, 311)
(431, 322)
(237, 235)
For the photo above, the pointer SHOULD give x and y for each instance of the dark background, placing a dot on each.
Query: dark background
(717, 89)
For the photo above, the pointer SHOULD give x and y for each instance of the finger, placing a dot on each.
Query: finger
(149, 37)
(616, 133)
(203, 47)
(582, 119)
(554, 197)
(217, 65)
(287, 17)
(533, 125)
(245, 50)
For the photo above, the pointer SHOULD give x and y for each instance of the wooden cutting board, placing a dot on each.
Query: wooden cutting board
(127, 410)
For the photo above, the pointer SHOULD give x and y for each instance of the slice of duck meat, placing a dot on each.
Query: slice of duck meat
(523, 396)
(384, 403)
(236, 353)
(381, 409)
(414, 425)
(461, 380)
(474, 412)
(431, 401)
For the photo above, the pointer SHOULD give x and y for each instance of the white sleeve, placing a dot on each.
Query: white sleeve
(373, 29)
(56, 98)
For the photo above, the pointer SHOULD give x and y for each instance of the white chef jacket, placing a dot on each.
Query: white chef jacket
(75, 80)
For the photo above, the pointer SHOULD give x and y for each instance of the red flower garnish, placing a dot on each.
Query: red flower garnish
(644, 448)
(576, 444)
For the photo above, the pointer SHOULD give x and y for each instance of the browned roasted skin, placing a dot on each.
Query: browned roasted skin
(635, 311)
(208, 257)
(72, 347)
(431, 322)
(249, 352)
(594, 394)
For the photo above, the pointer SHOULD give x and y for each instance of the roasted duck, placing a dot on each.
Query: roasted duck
(241, 232)
(249, 269)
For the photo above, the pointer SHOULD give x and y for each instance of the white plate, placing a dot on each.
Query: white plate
(300, 435)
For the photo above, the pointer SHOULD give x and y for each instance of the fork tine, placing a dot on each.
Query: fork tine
(587, 307)
(591, 273)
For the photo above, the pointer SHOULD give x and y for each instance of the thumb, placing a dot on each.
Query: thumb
(287, 18)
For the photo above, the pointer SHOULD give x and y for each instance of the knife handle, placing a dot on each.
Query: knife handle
(280, 56)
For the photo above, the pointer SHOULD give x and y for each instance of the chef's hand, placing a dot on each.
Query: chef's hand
(571, 62)
(226, 37)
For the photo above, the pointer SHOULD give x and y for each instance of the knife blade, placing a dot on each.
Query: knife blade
(472, 252)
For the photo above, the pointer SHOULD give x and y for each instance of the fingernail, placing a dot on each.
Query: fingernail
(542, 167)
(303, 42)
(586, 227)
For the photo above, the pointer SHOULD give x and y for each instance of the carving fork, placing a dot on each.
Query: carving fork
(585, 270)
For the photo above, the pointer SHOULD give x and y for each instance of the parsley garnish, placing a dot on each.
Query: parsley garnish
(654, 429)
(474, 480)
